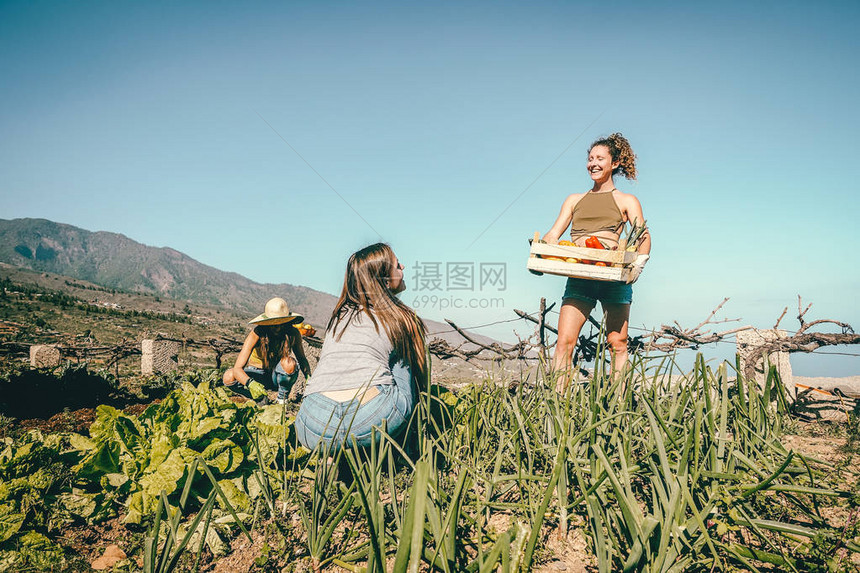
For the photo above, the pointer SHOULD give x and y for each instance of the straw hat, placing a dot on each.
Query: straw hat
(276, 312)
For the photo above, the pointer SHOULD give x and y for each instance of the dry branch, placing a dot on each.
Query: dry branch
(778, 320)
(666, 339)
(670, 338)
(800, 342)
(513, 352)
(530, 318)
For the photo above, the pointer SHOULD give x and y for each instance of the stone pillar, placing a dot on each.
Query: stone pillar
(750, 340)
(158, 356)
(44, 356)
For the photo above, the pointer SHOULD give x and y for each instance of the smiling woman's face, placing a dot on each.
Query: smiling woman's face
(600, 164)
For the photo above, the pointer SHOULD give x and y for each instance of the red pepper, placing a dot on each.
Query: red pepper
(593, 243)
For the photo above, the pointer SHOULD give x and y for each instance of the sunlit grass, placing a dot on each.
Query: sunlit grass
(663, 470)
(668, 473)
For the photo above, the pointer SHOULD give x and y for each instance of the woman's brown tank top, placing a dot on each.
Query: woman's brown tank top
(597, 211)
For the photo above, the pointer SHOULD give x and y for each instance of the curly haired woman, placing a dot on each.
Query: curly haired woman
(601, 212)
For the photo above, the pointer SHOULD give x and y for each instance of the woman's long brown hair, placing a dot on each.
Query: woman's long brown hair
(276, 341)
(366, 290)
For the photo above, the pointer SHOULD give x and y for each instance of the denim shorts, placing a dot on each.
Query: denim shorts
(322, 420)
(276, 380)
(607, 292)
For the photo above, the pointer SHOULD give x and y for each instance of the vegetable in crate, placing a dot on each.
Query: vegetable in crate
(569, 244)
(633, 234)
(555, 257)
(593, 242)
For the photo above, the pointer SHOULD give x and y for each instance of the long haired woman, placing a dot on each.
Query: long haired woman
(272, 353)
(373, 361)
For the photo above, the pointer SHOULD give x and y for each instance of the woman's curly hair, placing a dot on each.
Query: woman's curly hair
(620, 150)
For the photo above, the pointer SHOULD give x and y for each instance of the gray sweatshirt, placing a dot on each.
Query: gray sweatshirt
(362, 357)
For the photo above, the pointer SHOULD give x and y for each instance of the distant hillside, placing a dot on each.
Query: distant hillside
(115, 261)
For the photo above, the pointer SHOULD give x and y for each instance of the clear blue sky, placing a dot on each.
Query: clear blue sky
(431, 121)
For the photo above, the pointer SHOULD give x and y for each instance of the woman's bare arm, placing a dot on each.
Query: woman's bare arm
(299, 351)
(244, 355)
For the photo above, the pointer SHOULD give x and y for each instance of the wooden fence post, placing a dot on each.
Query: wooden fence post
(541, 334)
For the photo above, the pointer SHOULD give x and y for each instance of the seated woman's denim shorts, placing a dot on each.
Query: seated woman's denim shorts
(327, 422)
(607, 292)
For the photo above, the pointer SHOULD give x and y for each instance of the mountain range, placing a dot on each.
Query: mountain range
(115, 261)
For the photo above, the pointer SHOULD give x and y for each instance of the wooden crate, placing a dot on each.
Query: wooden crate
(619, 263)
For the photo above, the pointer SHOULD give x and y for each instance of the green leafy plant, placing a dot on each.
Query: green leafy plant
(36, 500)
(165, 558)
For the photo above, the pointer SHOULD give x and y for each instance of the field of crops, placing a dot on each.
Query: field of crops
(651, 475)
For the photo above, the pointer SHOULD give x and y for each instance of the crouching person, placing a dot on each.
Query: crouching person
(272, 354)
(373, 359)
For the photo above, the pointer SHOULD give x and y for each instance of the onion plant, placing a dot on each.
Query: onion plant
(665, 470)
